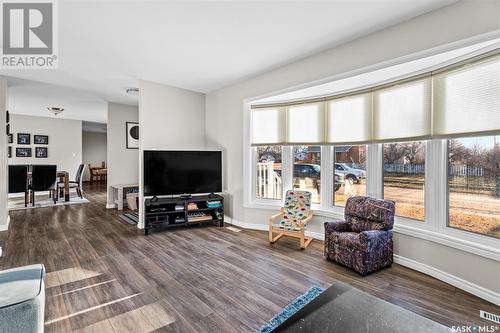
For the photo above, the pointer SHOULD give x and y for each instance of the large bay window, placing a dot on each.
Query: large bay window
(433, 143)
(404, 177)
(474, 184)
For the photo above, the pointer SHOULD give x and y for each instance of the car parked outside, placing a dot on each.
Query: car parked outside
(350, 174)
(313, 172)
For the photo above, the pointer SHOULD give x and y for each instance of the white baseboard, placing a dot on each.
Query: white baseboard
(264, 227)
(455, 281)
(110, 206)
(5, 227)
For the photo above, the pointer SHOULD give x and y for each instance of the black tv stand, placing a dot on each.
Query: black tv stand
(164, 213)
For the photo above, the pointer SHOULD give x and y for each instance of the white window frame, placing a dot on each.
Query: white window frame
(434, 228)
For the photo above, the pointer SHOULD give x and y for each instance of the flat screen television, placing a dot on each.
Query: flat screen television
(173, 172)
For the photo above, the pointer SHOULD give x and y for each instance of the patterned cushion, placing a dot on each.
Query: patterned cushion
(297, 205)
(366, 213)
(297, 208)
(349, 239)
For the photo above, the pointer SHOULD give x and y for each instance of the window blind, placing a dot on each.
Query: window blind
(402, 111)
(268, 126)
(349, 119)
(306, 123)
(467, 100)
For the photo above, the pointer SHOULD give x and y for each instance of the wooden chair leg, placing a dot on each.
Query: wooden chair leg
(26, 194)
(302, 243)
(270, 235)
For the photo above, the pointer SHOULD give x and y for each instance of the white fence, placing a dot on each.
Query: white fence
(268, 181)
(405, 168)
(454, 170)
(464, 170)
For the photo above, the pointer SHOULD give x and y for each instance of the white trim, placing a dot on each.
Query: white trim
(5, 227)
(455, 281)
(264, 227)
(110, 206)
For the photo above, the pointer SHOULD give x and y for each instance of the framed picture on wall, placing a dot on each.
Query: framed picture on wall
(10, 138)
(23, 138)
(9, 151)
(41, 139)
(23, 152)
(41, 152)
(132, 135)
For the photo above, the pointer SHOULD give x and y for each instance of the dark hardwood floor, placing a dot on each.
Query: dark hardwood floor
(106, 276)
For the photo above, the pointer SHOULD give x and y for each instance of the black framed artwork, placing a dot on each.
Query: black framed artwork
(9, 151)
(7, 117)
(23, 152)
(132, 135)
(10, 138)
(41, 152)
(7, 129)
(41, 139)
(23, 138)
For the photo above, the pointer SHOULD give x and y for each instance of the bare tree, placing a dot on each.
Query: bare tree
(492, 160)
(393, 152)
(458, 153)
(413, 152)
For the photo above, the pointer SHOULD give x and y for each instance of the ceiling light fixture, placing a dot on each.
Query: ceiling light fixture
(132, 90)
(54, 110)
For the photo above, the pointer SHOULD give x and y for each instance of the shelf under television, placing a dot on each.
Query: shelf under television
(162, 217)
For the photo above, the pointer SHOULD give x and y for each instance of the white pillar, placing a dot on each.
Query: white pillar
(4, 212)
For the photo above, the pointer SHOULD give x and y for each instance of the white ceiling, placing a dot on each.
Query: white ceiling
(107, 45)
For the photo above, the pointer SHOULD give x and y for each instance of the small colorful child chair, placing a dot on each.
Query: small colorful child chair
(293, 218)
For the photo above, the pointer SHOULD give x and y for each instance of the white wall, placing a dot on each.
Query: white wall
(224, 122)
(94, 150)
(4, 212)
(65, 141)
(123, 163)
(170, 118)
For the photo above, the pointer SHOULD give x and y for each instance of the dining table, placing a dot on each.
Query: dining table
(64, 178)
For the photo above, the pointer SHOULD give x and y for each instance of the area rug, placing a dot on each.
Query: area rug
(17, 203)
(291, 309)
(130, 218)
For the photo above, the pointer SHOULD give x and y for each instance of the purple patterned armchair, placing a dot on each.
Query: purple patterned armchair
(363, 241)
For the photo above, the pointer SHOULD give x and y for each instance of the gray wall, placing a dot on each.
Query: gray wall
(94, 150)
(170, 118)
(4, 213)
(224, 118)
(123, 163)
(65, 141)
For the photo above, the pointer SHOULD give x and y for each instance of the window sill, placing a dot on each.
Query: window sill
(457, 239)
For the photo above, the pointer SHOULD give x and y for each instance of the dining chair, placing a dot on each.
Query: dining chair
(77, 184)
(18, 180)
(43, 178)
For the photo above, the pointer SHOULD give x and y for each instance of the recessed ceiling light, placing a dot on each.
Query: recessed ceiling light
(54, 110)
(132, 90)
